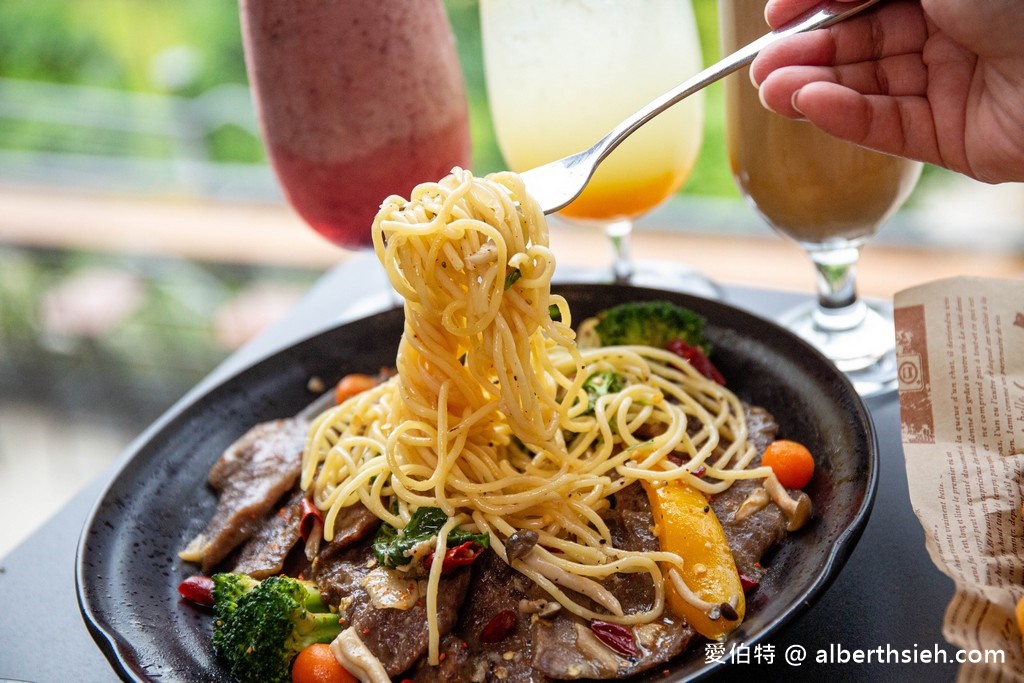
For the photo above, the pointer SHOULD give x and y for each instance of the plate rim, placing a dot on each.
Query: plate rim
(121, 656)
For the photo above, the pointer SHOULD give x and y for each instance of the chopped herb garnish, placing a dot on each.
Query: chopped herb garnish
(601, 384)
(512, 276)
(393, 547)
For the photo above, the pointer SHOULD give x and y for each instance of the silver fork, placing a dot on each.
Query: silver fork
(555, 184)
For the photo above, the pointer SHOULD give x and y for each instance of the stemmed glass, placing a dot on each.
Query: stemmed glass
(562, 73)
(356, 101)
(829, 196)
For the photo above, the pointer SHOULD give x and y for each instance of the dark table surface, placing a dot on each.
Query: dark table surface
(889, 598)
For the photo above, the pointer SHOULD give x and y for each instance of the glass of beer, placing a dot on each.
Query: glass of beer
(562, 73)
(828, 195)
(356, 101)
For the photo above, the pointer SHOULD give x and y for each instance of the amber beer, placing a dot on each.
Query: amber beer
(806, 184)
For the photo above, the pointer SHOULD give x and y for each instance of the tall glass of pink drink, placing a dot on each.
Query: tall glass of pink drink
(357, 100)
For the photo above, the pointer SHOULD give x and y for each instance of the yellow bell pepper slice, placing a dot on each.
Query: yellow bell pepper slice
(686, 525)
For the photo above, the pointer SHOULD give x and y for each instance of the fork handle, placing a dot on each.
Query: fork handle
(824, 15)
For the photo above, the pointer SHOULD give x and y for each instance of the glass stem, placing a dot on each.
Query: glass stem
(839, 308)
(622, 261)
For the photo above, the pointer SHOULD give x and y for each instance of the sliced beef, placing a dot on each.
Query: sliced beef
(565, 646)
(268, 551)
(495, 588)
(761, 427)
(265, 553)
(752, 537)
(397, 637)
(260, 452)
(251, 476)
(263, 466)
(566, 649)
(353, 524)
(558, 645)
(457, 664)
(634, 499)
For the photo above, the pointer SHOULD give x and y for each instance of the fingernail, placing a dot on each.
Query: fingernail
(792, 102)
(764, 103)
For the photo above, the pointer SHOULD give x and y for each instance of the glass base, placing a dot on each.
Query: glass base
(864, 351)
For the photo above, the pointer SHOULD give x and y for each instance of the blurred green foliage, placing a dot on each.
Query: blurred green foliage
(185, 47)
(115, 43)
(41, 40)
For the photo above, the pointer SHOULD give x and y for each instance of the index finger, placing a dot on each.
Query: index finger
(896, 28)
(779, 12)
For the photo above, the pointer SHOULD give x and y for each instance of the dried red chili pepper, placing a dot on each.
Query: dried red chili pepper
(680, 460)
(458, 556)
(748, 583)
(697, 359)
(310, 517)
(498, 627)
(616, 636)
(198, 589)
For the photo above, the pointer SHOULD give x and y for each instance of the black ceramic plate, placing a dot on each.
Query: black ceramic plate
(128, 569)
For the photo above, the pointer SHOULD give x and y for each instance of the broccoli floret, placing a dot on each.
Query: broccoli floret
(228, 588)
(260, 626)
(651, 323)
(601, 384)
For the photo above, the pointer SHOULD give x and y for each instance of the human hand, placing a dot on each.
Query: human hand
(941, 81)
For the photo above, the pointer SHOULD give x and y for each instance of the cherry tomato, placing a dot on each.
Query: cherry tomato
(353, 384)
(791, 462)
(317, 664)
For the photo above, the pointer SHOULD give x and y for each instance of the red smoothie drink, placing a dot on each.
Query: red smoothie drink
(357, 100)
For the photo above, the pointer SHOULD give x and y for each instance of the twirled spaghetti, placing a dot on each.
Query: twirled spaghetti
(488, 418)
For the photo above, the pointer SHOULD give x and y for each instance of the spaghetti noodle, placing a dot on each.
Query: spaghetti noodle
(488, 417)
